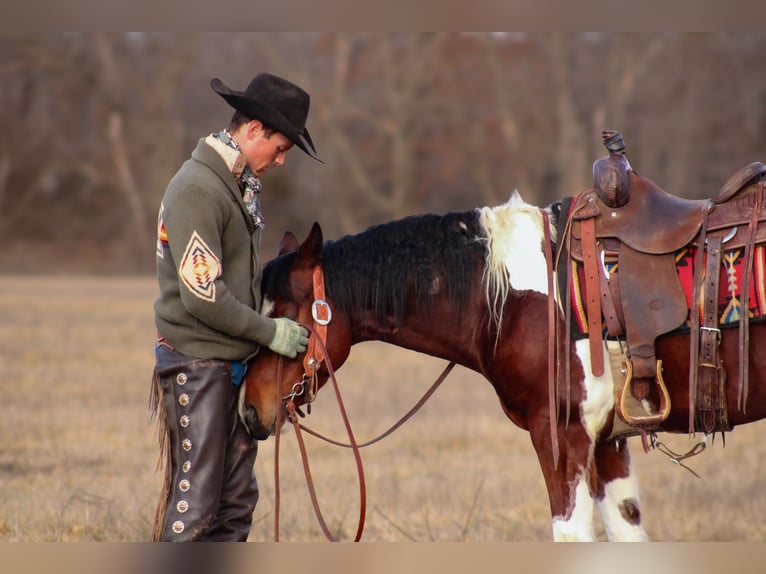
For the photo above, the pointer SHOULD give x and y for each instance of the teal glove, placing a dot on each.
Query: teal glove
(289, 339)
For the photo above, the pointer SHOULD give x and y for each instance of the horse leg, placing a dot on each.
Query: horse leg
(568, 481)
(589, 470)
(612, 485)
(615, 489)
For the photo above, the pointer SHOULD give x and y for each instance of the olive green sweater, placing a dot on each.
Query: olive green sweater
(208, 264)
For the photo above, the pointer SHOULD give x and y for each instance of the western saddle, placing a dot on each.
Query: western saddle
(628, 219)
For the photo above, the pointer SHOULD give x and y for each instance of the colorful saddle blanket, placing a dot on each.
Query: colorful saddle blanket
(729, 292)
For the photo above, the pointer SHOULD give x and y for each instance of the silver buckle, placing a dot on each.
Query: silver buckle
(315, 311)
(715, 330)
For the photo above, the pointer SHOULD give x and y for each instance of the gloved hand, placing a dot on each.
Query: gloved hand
(289, 339)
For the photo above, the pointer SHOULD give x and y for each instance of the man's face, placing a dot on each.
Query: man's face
(262, 151)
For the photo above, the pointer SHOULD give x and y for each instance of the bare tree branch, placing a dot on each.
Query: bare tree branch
(116, 138)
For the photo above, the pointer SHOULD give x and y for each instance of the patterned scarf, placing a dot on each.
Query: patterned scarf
(251, 185)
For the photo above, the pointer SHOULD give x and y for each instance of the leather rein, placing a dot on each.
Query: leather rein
(316, 355)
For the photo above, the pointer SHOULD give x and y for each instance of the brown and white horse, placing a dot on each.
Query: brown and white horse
(473, 287)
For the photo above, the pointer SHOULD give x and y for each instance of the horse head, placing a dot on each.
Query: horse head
(289, 291)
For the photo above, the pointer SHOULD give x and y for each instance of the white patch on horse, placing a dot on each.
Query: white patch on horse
(594, 410)
(621, 492)
(579, 526)
(515, 257)
(515, 234)
(599, 392)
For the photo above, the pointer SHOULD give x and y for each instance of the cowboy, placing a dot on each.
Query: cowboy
(209, 272)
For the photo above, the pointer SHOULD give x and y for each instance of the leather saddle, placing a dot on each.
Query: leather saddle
(629, 219)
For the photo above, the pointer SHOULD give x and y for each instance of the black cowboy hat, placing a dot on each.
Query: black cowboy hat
(275, 102)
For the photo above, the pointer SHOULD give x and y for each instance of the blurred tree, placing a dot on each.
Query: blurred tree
(79, 138)
(374, 115)
(93, 125)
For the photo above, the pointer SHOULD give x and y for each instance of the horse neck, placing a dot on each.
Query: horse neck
(440, 331)
(395, 287)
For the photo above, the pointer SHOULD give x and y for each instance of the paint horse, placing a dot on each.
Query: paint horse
(474, 287)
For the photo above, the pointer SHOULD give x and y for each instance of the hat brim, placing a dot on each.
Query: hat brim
(272, 118)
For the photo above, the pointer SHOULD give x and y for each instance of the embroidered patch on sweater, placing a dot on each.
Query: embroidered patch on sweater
(162, 234)
(199, 269)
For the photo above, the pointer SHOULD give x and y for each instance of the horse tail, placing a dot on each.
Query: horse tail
(157, 409)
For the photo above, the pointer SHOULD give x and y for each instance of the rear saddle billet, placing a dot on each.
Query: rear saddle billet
(630, 219)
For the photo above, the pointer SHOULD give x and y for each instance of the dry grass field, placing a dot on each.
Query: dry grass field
(78, 452)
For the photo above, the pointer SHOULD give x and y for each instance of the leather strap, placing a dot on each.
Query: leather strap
(592, 292)
(292, 415)
(609, 304)
(315, 354)
(694, 319)
(564, 249)
(744, 319)
(553, 398)
(708, 395)
(407, 416)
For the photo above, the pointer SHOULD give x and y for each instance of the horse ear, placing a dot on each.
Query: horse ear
(289, 243)
(312, 248)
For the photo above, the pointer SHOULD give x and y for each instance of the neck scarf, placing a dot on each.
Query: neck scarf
(248, 182)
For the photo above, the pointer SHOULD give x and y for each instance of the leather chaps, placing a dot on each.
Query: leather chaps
(210, 488)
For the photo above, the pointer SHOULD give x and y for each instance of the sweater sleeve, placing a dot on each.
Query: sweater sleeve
(194, 224)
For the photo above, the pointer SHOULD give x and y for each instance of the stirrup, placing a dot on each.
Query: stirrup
(640, 420)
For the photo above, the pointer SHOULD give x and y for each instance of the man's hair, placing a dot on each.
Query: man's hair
(239, 119)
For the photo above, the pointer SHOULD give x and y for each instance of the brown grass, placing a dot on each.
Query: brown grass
(77, 450)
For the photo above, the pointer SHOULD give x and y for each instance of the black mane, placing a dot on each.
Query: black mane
(376, 269)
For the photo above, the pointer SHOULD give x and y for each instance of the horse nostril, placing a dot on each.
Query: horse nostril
(253, 423)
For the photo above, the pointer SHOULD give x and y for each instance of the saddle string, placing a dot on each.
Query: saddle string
(553, 402)
(744, 318)
(564, 247)
(676, 457)
(694, 317)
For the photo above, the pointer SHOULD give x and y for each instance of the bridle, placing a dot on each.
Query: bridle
(316, 351)
(316, 355)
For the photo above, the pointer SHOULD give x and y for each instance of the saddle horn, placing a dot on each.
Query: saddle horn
(611, 180)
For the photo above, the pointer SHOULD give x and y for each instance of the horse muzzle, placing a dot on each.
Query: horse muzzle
(249, 416)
